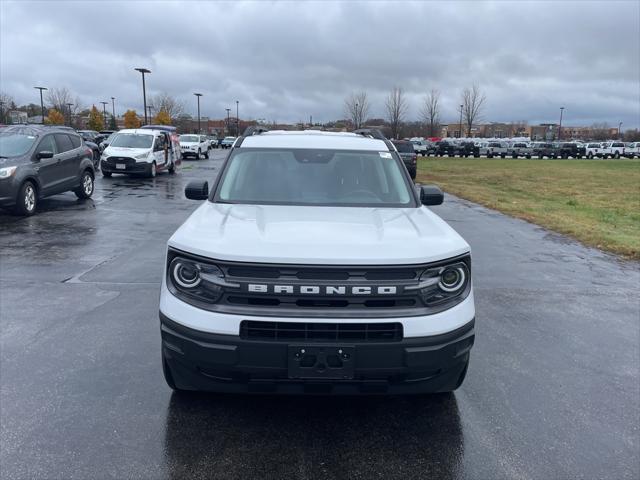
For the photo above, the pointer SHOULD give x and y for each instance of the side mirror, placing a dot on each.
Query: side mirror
(197, 190)
(44, 154)
(431, 195)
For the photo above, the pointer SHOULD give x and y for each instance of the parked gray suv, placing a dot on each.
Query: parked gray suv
(39, 161)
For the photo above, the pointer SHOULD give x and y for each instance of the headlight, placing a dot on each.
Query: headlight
(7, 172)
(446, 284)
(142, 156)
(192, 279)
(104, 158)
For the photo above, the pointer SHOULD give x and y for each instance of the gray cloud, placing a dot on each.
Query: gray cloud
(286, 61)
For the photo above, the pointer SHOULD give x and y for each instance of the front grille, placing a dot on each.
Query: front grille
(318, 291)
(128, 161)
(322, 277)
(319, 332)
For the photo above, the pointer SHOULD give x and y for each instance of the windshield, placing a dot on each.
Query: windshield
(229, 139)
(132, 140)
(404, 147)
(314, 177)
(190, 138)
(15, 144)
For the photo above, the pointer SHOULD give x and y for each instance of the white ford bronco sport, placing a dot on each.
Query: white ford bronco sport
(314, 266)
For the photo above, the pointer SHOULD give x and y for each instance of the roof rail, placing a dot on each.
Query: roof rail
(254, 130)
(375, 133)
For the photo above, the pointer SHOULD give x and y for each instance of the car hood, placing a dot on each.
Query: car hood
(318, 235)
(125, 151)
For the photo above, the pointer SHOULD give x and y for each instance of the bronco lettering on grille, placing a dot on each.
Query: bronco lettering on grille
(321, 290)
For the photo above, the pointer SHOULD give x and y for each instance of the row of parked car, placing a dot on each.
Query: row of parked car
(524, 149)
(38, 161)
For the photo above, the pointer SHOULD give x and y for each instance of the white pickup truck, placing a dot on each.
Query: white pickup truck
(611, 150)
(348, 284)
(632, 150)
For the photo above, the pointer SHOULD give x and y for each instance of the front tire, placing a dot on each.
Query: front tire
(617, 155)
(153, 171)
(198, 155)
(206, 155)
(85, 190)
(27, 200)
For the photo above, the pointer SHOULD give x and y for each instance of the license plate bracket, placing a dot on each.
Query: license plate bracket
(121, 166)
(328, 362)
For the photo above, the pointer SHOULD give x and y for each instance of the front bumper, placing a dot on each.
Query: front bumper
(131, 166)
(229, 363)
(8, 191)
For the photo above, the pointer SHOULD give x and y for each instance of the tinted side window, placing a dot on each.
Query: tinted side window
(64, 142)
(404, 147)
(75, 141)
(47, 145)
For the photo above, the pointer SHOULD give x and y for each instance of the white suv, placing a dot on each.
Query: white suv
(315, 266)
(193, 145)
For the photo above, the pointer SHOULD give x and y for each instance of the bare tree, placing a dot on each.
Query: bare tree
(164, 101)
(59, 98)
(430, 112)
(356, 108)
(396, 110)
(472, 103)
(600, 131)
(6, 103)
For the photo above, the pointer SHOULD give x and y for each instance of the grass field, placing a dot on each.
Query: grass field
(594, 201)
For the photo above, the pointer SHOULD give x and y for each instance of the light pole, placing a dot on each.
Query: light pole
(357, 122)
(149, 110)
(113, 108)
(237, 119)
(1, 112)
(104, 113)
(461, 106)
(69, 105)
(41, 102)
(144, 92)
(560, 125)
(198, 95)
(228, 119)
(619, 131)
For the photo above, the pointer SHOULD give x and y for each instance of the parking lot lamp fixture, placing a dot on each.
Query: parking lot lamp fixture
(144, 92)
(228, 119)
(560, 125)
(198, 95)
(41, 102)
(461, 106)
(104, 112)
(69, 105)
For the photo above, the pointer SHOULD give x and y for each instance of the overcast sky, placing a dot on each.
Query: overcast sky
(286, 61)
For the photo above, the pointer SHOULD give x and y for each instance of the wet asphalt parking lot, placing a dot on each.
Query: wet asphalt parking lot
(553, 389)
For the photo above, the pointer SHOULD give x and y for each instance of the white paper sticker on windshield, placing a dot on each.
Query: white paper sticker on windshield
(385, 154)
